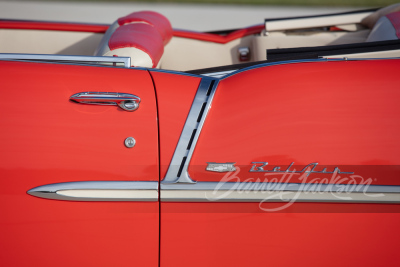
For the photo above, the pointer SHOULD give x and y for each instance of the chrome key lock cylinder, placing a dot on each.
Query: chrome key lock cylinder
(130, 142)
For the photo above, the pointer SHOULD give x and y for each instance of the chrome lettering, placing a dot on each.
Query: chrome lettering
(308, 169)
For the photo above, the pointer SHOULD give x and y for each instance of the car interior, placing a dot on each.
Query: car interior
(150, 41)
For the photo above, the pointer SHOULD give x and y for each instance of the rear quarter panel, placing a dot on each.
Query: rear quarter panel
(339, 114)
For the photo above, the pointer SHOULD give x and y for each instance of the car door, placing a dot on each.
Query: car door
(287, 164)
(78, 181)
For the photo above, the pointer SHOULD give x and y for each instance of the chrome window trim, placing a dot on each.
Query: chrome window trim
(175, 72)
(178, 168)
(279, 63)
(98, 191)
(218, 74)
(302, 61)
(66, 58)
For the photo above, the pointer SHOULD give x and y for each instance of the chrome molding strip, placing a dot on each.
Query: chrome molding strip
(301, 61)
(64, 58)
(176, 72)
(99, 191)
(271, 196)
(217, 192)
(219, 74)
(279, 63)
(177, 171)
(278, 192)
(257, 186)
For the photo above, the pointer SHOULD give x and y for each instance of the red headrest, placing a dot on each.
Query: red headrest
(141, 36)
(155, 19)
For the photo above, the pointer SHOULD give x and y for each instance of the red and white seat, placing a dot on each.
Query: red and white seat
(386, 28)
(140, 36)
(384, 24)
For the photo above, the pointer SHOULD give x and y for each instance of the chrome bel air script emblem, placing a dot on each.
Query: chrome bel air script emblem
(221, 167)
(310, 168)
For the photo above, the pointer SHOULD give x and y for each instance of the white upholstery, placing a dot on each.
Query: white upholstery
(386, 28)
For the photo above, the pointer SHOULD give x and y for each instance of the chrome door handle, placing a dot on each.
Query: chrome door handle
(127, 102)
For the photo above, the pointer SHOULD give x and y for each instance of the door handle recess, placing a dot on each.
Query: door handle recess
(127, 102)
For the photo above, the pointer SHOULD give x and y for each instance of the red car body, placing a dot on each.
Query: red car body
(325, 121)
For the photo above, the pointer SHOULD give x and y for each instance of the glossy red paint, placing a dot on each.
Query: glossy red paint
(302, 113)
(53, 26)
(218, 234)
(175, 94)
(50, 140)
(73, 142)
(49, 232)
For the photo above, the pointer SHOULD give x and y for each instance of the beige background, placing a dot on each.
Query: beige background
(182, 16)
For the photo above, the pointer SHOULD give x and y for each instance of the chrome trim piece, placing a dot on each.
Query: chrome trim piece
(221, 167)
(64, 58)
(279, 63)
(308, 169)
(99, 191)
(225, 74)
(219, 74)
(130, 142)
(277, 192)
(177, 171)
(176, 72)
(301, 61)
(271, 196)
(209, 186)
(217, 192)
(125, 101)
